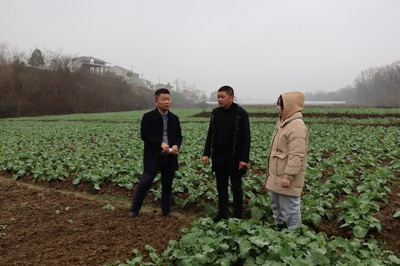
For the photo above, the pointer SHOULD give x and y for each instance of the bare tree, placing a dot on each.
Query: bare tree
(177, 85)
(394, 70)
(364, 86)
(4, 53)
(61, 65)
(376, 86)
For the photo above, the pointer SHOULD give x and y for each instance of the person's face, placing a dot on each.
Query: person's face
(224, 100)
(279, 110)
(163, 102)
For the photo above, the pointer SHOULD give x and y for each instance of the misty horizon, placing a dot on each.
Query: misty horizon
(260, 48)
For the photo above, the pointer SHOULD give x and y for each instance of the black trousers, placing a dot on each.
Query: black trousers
(225, 170)
(146, 181)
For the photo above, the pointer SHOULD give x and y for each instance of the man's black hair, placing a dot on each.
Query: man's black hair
(227, 89)
(160, 91)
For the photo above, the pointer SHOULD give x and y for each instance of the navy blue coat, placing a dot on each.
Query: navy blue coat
(151, 132)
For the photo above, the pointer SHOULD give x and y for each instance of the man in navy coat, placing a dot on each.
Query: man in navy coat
(161, 132)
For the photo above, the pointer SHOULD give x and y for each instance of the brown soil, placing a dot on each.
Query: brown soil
(390, 225)
(314, 115)
(56, 223)
(326, 115)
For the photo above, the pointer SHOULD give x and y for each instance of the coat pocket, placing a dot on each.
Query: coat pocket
(279, 160)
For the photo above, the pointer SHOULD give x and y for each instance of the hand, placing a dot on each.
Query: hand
(175, 149)
(242, 165)
(206, 159)
(285, 182)
(164, 147)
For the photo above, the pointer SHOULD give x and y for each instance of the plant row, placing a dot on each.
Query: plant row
(349, 173)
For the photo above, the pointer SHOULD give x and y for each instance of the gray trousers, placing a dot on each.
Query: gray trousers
(286, 209)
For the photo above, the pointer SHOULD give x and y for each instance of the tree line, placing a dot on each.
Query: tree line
(376, 86)
(46, 84)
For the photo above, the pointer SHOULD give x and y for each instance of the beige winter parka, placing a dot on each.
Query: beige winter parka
(288, 149)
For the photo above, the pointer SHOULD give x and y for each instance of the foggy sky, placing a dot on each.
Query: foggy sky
(261, 48)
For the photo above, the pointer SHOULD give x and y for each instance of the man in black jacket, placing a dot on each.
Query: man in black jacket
(161, 133)
(228, 145)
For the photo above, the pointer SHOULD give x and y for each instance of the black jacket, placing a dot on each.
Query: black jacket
(151, 132)
(242, 137)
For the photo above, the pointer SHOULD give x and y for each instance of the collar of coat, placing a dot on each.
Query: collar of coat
(294, 116)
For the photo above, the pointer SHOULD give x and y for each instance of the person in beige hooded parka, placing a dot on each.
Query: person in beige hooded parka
(287, 161)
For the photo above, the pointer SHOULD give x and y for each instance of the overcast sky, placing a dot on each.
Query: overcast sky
(260, 47)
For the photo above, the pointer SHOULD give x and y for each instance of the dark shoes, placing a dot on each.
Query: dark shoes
(237, 216)
(170, 215)
(219, 218)
(132, 214)
(280, 227)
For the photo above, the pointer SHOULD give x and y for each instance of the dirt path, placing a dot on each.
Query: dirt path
(57, 223)
(46, 223)
(77, 194)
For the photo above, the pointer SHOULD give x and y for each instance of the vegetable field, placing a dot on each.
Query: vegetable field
(81, 171)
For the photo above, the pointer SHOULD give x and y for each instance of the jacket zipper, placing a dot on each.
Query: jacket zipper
(234, 136)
